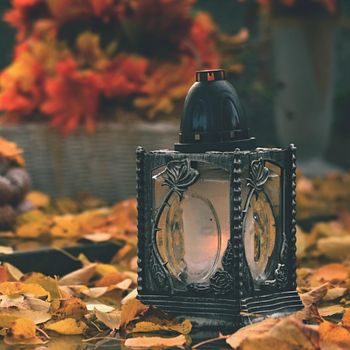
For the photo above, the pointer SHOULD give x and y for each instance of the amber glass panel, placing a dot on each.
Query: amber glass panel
(194, 230)
(260, 224)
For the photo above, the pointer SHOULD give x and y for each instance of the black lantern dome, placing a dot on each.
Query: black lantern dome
(213, 119)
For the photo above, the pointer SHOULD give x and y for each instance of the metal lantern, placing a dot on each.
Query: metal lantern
(217, 217)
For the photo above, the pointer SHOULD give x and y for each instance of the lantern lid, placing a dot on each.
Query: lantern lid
(213, 119)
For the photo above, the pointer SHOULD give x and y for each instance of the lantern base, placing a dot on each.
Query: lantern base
(226, 314)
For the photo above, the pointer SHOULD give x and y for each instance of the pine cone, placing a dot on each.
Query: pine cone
(7, 217)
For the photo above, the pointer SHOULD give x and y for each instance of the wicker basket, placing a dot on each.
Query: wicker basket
(102, 164)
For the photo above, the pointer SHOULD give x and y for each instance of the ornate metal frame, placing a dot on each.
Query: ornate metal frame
(230, 297)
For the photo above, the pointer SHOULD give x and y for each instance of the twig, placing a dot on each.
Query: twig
(212, 340)
(67, 254)
(43, 332)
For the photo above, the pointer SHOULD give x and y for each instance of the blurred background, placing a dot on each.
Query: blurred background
(84, 82)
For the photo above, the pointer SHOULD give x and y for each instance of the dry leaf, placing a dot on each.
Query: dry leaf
(314, 295)
(98, 237)
(48, 283)
(97, 305)
(6, 249)
(326, 311)
(14, 273)
(70, 308)
(184, 327)
(334, 337)
(8, 316)
(23, 332)
(329, 273)
(334, 293)
(110, 279)
(38, 199)
(237, 338)
(131, 310)
(81, 276)
(96, 292)
(110, 319)
(283, 334)
(335, 248)
(68, 326)
(155, 342)
(14, 288)
(346, 319)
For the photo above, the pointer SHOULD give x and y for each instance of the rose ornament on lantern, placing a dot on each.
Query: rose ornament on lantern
(217, 217)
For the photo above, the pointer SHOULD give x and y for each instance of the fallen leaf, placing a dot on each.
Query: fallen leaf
(110, 319)
(6, 249)
(38, 199)
(81, 276)
(326, 311)
(237, 338)
(124, 285)
(92, 305)
(96, 292)
(8, 316)
(346, 319)
(23, 332)
(132, 295)
(14, 288)
(48, 283)
(68, 326)
(283, 334)
(329, 273)
(334, 337)
(14, 273)
(334, 293)
(110, 279)
(155, 342)
(23, 328)
(70, 308)
(183, 327)
(314, 295)
(335, 248)
(98, 237)
(131, 310)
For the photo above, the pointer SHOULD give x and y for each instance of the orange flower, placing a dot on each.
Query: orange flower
(72, 97)
(201, 38)
(166, 85)
(20, 85)
(126, 76)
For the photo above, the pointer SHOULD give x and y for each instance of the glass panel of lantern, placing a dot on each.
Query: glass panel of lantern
(262, 227)
(193, 226)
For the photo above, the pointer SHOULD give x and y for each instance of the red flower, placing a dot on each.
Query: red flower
(126, 76)
(72, 97)
(23, 14)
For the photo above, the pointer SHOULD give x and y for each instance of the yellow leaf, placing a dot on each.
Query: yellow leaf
(131, 310)
(68, 326)
(48, 283)
(71, 308)
(23, 328)
(184, 327)
(155, 342)
(13, 288)
(33, 229)
(9, 316)
(38, 199)
(65, 226)
(104, 269)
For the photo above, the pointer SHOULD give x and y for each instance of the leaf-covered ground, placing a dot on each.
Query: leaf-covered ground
(95, 307)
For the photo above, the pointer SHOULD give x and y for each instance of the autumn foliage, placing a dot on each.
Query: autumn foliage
(72, 55)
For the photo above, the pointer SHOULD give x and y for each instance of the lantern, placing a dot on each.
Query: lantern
(216, 217)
